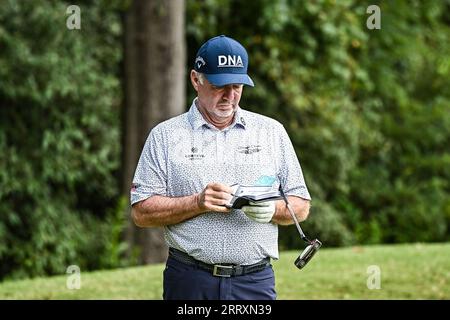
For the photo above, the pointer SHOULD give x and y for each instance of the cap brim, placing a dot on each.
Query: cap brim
(222, 79)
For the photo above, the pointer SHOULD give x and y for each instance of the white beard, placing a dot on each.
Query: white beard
(224, 113)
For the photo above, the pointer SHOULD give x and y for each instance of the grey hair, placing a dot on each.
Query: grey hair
(200, 77)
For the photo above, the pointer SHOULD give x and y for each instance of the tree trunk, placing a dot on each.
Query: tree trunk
(154, 84)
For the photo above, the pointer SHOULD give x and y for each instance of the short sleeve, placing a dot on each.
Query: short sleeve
(150, 177)
(290, 171)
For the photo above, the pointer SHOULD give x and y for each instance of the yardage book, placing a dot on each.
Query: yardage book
(242, 195)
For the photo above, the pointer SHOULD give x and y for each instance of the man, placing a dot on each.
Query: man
(183, 178)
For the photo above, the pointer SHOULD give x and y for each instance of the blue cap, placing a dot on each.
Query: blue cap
(223, 61)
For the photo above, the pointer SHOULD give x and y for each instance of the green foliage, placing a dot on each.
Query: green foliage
(115, 249)
(59, 135)
(367, 110)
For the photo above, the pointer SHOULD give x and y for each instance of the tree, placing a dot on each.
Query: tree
(154, 84)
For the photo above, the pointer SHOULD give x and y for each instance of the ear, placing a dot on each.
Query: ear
(194, 80)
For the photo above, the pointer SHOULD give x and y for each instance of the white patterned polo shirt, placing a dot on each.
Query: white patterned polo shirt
(185, 153)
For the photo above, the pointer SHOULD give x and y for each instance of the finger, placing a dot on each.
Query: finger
(218, 208)
(258, 216)
(217, 201)
(260, 219)
(221, 187)
(260, 204)
(247, 209)
(224, 195)
(254, 210)
(219, 195)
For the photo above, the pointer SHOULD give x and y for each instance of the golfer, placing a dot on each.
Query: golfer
(184, 176)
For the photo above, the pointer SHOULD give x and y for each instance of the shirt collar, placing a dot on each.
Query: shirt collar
(197, 121)
(195, 117)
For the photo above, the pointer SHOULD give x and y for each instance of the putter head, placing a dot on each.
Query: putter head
(308, 253)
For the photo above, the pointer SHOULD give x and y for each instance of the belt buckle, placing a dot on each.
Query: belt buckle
(216, 266)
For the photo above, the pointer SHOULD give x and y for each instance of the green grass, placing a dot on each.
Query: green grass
(413, 271)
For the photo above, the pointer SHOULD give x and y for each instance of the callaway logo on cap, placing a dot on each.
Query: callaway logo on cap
(223, 61)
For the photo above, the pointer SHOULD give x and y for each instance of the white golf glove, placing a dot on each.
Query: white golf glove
(261, 212)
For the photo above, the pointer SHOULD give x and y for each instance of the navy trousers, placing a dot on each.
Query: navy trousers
(185, 282)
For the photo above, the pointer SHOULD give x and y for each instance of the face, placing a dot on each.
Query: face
(218, 104)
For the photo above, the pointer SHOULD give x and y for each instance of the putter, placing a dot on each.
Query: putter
(313, 246)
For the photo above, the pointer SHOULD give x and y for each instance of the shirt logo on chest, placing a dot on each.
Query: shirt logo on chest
(194, 154)
(249, 149)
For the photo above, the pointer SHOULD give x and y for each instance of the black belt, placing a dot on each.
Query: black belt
(219, 270)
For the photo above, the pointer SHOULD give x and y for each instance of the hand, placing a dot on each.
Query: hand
(260, 212)
(214, 197)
